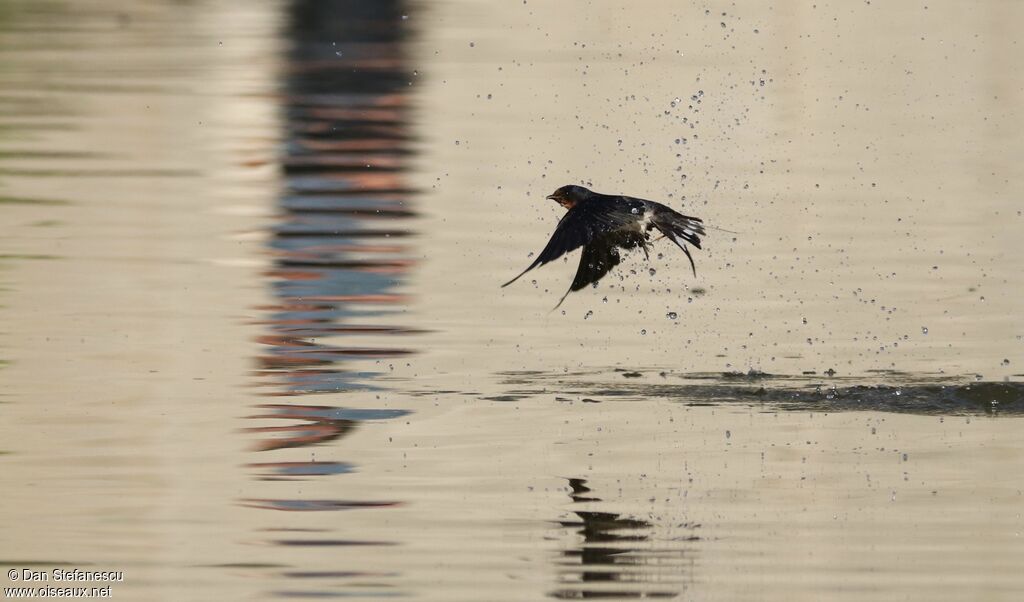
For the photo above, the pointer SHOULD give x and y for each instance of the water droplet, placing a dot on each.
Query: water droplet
(728, 434)
(924, 330)
(339, 53)
(588, 314)
(604, 299)
(671, 315)
(652, 271)
(1006, 362)
(643, 332)
(472, 44)
(405, 17)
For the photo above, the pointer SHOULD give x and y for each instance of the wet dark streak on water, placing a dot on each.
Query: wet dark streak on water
(341, 251)
(889, 391)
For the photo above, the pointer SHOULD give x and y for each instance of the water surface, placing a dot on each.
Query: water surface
(253, 344)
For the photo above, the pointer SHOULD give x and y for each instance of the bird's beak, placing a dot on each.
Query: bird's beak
(551, 197)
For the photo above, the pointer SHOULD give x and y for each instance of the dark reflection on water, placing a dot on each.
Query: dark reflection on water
(291, 471)
(620, 557)
(895, 392)
(314, 505)
(341, 252)
(342, 246)
(313, 425)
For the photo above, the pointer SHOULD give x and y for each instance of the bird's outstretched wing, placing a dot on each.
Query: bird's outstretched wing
(598, 258)
(582, 224)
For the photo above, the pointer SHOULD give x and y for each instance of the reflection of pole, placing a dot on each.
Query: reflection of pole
(309, 430)
(340, 247)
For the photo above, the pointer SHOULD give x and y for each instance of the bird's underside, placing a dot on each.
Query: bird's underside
(604, 224)
(602, 254)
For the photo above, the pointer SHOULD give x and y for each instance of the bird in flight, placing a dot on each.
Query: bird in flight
(604, 223)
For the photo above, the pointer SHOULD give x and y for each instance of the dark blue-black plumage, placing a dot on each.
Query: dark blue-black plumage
(603, 223)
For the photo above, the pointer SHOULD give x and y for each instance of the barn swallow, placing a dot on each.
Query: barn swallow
(604, 223)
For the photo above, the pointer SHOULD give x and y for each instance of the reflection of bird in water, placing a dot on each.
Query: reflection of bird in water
(617, 556)
(603, 223)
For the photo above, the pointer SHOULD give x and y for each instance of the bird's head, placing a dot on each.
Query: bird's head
(569, 196)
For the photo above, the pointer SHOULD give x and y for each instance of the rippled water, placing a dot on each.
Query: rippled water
(253, 344)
